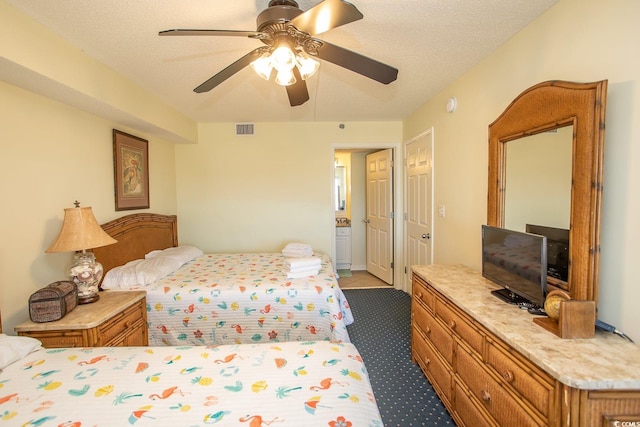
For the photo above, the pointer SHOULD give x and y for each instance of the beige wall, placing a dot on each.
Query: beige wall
(256, 193)
(52, 155)
(579, 40)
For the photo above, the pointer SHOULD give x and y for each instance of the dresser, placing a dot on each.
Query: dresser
(117, 319)
(492, 366)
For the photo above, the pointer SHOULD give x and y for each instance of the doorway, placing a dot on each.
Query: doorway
(361, 250)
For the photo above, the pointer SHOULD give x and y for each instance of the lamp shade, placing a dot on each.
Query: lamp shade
(80, 231)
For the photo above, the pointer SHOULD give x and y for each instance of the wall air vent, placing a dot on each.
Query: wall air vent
(245, 129)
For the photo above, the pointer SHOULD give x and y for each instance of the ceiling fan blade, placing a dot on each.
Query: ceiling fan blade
(298, 93)
(325, 16)
(229, 71)
(234, 33)
(358, 63)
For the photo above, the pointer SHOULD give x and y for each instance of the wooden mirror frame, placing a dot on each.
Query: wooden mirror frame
(550, 105)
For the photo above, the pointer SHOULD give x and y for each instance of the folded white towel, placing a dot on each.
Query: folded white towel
(297, 246)
(308, 262)
(303, 269)
(298, 250)
(305, 273)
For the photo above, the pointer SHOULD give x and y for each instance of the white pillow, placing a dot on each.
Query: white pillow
(183, 254)
(139, 272)
(15, 348)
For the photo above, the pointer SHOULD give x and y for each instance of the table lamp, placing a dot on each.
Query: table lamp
(80, 231)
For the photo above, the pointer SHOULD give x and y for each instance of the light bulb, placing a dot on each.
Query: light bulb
(262, 66)
(283, 58)
(307, 66)
(285, 78)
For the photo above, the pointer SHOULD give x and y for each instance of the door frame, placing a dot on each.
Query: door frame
(428, 133)
(398, 204)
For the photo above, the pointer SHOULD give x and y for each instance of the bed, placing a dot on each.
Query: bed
(227, 298)
(282, 384)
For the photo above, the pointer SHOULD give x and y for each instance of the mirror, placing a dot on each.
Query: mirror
(538, 180)
(340, 188)
(543, 108)
(342, 184)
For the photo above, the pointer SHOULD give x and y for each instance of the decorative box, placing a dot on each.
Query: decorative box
(53, 302)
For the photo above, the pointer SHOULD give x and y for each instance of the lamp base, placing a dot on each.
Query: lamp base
(86, 274)
(88, 299)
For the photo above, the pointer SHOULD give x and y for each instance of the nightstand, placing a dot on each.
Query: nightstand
(117, 319)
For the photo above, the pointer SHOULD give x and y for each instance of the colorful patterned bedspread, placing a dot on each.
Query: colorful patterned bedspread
(245, 298)
(279, 384)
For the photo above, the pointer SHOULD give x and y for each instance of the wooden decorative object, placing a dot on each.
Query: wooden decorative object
(577, 320)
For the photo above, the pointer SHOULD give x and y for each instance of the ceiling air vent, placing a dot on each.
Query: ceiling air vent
(245, 129)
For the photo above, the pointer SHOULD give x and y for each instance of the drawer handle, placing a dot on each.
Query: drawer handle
(508, 375)
(428, 331)
(484, 394)
(419, 294)
(127, 324)
(427, 361)
(452, 324)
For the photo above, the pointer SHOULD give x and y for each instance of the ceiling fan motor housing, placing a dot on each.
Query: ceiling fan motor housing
(278, 12)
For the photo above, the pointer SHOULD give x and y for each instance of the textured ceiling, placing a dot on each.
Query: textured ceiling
(430, 42)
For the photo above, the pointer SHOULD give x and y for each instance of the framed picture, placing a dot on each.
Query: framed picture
(131, 171)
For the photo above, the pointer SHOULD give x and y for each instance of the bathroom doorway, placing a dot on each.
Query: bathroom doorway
(353, 163)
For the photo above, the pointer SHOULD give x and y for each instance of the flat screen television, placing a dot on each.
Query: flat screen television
(517, 261)
(557, 249)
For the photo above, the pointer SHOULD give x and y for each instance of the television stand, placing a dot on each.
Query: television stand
(509, 297)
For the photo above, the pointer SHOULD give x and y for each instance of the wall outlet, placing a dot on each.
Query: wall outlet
(441, 211)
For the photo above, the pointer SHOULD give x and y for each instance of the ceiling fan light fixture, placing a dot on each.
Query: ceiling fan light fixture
(306, 65)
(263, 66)
(285, 78)
(283, 58)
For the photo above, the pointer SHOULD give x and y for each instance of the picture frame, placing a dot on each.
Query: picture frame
(131, 171)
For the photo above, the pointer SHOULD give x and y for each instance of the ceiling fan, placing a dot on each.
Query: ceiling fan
(291, 48)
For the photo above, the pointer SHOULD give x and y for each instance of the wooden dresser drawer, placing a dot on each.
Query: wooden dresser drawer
(467, 412)
(434, 331)
(121, 323)
(422, 292)
(460, 325)
(535, 386)
(491, 394)
(437, 371)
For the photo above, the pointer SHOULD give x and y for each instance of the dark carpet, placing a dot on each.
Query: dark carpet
(382, 334)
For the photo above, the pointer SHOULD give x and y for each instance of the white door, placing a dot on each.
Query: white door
(379, 214)
(419, 202)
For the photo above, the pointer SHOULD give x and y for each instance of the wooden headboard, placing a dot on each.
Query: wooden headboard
(137, 235)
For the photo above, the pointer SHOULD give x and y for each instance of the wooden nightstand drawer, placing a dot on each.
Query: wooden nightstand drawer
(116, 319)
(59, 339)
(120, 323)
